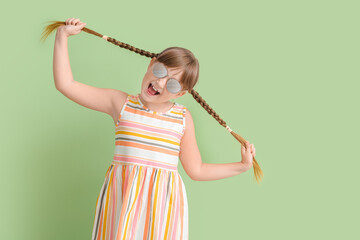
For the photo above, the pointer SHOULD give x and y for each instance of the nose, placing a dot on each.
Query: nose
(162, 82)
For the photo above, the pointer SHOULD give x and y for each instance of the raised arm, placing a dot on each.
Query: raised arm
(191, 159)
(105, 100)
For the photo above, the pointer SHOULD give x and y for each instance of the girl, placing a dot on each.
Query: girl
(143, 195)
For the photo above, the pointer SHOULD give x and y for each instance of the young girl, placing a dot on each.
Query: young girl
(143, 195)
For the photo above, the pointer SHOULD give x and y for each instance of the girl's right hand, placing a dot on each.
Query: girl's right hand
(73, 26)
(247, 154)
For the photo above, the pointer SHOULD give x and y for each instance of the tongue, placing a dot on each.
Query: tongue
(151, 90)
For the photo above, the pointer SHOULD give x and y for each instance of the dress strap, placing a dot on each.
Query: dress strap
(122, 109)
(184, 122)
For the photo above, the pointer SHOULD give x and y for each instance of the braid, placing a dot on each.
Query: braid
(257, 170)
(55, 24)
(131, 48)
(211, 111)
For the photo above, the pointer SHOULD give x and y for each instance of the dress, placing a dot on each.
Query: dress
(143, 196)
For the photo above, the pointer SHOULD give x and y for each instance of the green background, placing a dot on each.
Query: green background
(282, 74)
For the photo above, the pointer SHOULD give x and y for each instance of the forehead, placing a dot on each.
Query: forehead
(175, 72)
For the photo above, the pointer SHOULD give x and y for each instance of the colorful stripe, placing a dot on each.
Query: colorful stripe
(143, 195)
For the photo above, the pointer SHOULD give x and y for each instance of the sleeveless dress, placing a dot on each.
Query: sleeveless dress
(143, 196)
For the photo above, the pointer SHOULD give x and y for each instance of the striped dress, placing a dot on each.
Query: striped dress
(143, 196)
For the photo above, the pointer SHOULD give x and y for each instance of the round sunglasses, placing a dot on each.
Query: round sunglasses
(172, 85)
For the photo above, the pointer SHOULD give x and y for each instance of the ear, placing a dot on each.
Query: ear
(182, 93)
(153, 59)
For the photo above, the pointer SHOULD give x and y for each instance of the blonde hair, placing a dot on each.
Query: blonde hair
(172, 57)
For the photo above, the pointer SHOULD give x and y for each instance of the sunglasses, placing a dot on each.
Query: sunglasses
(172, 85)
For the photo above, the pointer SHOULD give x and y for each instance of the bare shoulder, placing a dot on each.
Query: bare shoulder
(187, 112)
(190, 156)
(118, 99)
(189, 124)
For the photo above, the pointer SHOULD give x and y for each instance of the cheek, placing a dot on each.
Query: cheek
(147, 79)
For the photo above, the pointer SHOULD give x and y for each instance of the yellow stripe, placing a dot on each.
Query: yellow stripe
(152, 126)
(106, 204)
(145, 159)
(169, 209)
(148, 137)
(155, 198)
(146, 132)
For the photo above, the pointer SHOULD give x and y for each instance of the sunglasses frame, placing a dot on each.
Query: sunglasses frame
(165, 71)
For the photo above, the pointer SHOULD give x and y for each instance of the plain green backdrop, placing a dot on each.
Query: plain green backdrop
(282, 74)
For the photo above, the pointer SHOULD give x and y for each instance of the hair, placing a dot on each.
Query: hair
(172, 57)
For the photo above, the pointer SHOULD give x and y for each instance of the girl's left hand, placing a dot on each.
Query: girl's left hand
(247, 154)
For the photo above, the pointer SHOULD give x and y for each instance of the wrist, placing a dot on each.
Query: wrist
(240, 167)
(60, 33)
(245, 167)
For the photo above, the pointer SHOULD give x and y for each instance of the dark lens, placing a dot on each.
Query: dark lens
(159, 70)
(173, 86)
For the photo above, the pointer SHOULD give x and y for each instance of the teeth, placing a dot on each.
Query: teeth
(154, 88)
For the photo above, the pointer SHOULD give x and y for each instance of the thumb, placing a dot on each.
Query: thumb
(242, 149)
(81, 25)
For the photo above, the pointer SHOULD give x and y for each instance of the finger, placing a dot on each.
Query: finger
(71, 20)
(81, 26)
(245, 146)
(76, 21)
(253, 150)
(68, 21)
(248, 148)
(242, 149)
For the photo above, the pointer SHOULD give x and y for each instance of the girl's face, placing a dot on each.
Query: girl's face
(160, 85)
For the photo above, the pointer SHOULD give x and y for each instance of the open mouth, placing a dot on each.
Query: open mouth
(152, 91)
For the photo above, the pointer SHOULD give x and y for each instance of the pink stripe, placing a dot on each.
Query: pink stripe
(177, 210)
(127, 124)
(126, 180)
(159, 207)
(163, 203)
(134, 160)
(139, 198)
(114, 203)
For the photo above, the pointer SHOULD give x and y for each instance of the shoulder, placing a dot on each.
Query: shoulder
(118, 99)
(187, 113)
(188, 121)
